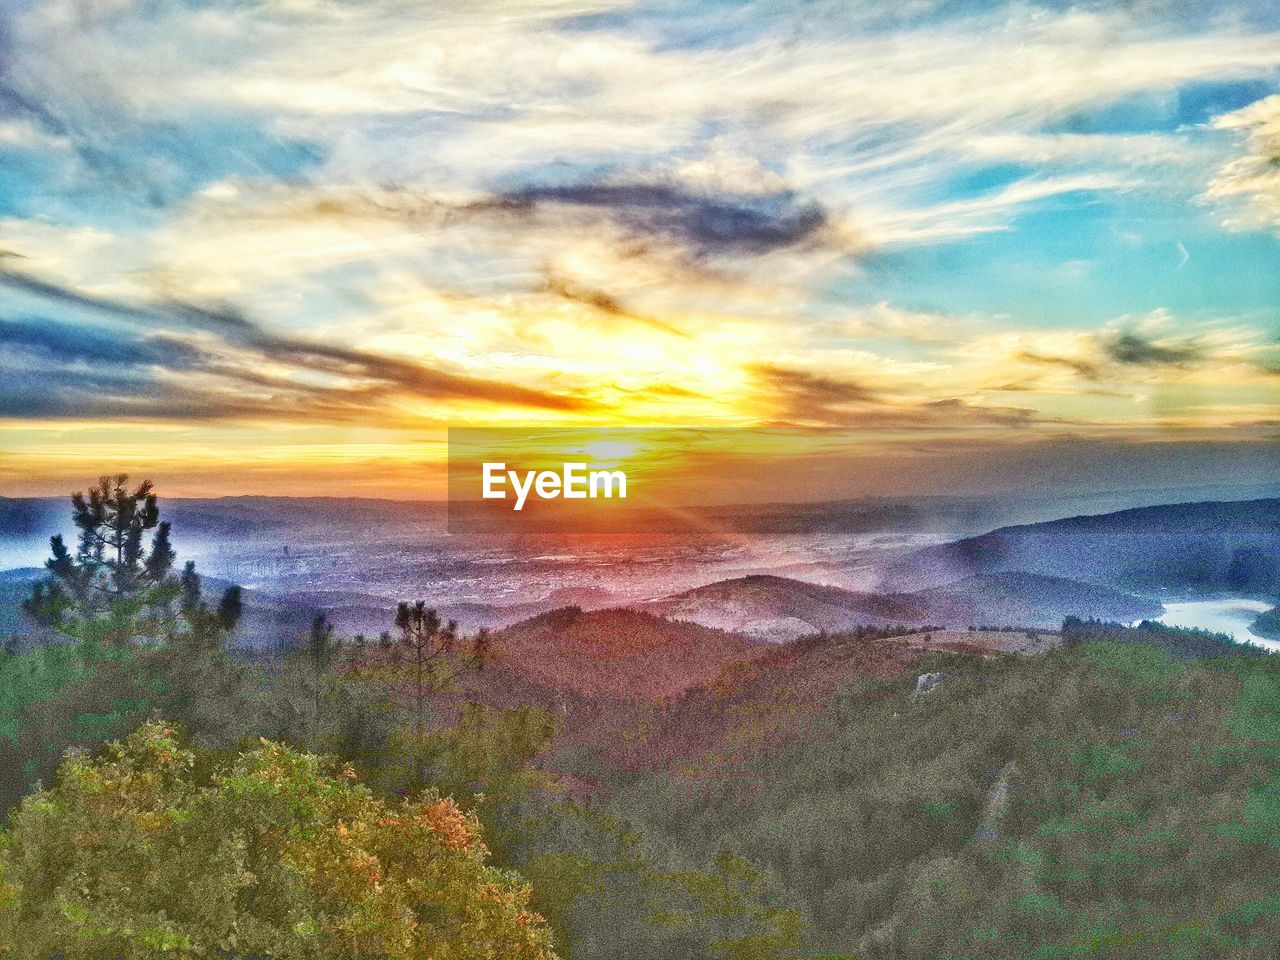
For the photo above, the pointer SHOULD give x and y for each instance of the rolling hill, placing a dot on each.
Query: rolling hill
(1028, 600)
(778, 609)
(1205, 547)
(617, 653)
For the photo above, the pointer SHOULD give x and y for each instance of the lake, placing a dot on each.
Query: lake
(1232, 616)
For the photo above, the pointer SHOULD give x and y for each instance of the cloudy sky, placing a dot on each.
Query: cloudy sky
(279, 246)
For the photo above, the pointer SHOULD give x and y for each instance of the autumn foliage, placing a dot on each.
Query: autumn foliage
(155, 850)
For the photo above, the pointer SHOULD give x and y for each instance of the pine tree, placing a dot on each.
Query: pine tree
(424, 640)
(426, 657)
(112, 589)
(319, 652)
(147, 640)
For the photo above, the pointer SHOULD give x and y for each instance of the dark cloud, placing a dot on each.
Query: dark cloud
(812, 386)
(73, 393)
(1084, 368)
(604, 303)
(145, 359)
(65, 343)
(1134, 349)
(705, 223)
(809, 397)
(806, 399)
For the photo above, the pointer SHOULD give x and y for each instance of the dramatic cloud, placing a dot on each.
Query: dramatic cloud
(705, 223)
(145, 362)
(803, 398)
(1255, 176)
(1133, 348)
(809, 397)
(372, 218)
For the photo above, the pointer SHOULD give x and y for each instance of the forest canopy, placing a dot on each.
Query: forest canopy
(154, 849)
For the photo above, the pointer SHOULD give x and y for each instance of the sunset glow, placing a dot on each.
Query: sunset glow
(290, 258)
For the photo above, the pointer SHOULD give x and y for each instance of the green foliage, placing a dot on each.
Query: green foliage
(1102, 800)
(424, 660)
(155, 850)
(82, 695)
(1119, 797)
(324, 711)
(142, 640)
(1183, 642)
(1268, 624)
(31, 682)
(153, 646)
(112, 590)
(602, 884)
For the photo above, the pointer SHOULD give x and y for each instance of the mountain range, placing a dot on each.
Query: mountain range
(779, 609)
(1115, 566)
(1207, 547)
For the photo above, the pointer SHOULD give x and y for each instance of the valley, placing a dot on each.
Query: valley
(873, 745)
(353, 561)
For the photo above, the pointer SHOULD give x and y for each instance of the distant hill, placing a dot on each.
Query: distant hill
(1181, 642)
(1206, 547)
(778, 609)
(272, 622)
(1268, 624)
(22, 516)
(369, 615)
(353, 612)
(228, 523)
(617, 653)
(1028, 600)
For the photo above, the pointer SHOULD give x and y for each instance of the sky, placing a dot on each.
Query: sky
(282, 246)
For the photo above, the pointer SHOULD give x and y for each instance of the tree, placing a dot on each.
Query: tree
(113, 591)
(111, 588)
(202, 686)
(319, 653)
(424, 640)
(147, 641)
(155, 850)
(319, 702)
(426, 657)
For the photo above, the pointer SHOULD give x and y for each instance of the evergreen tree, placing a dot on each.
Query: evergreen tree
(319, 653)
(424, 658)
(113, 590)
(430, 651)
(147, 640)
(109, 589)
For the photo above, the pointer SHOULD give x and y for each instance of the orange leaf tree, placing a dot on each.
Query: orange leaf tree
(154, 850)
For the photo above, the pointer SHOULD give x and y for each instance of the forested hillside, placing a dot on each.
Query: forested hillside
(780, 609)
(1105, 799)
